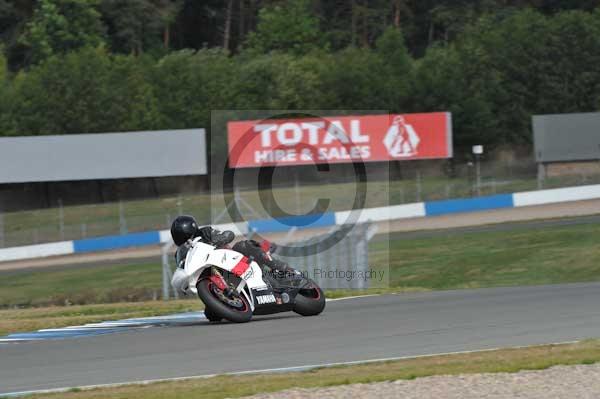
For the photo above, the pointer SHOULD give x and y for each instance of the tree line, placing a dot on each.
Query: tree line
(74, 66)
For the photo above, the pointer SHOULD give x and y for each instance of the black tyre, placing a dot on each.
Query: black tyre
(211, 316)
(237, 309)
(310, 301)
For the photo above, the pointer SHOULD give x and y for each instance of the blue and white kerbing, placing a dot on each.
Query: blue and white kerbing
(395, 212)
(107, 327)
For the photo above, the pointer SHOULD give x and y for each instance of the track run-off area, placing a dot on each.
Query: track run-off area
(354, 329)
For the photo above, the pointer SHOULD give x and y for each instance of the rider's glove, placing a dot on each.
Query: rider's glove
(222, 238)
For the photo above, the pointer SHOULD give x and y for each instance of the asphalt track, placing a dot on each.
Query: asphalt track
(348, 330)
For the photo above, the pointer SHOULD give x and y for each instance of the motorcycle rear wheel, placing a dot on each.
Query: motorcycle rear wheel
(311, 301)
(209, 294)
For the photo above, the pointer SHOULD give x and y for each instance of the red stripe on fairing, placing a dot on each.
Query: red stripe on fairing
(241, 267)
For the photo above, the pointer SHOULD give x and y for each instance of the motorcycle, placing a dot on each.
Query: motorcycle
(234, 287)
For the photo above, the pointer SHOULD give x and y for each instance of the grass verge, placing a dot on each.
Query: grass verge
(20, 320)
(503, 360)
(82, 284)
(520, 256)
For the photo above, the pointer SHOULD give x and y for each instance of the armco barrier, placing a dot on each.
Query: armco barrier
(421, 209)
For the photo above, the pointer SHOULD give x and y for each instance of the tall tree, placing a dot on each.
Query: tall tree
(85, 91)
(7, 125)
(227, 29)
(291, 28)
(396, 67)
(136, 26)
(59, 26)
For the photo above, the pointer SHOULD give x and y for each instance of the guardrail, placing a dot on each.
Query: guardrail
(421, 209)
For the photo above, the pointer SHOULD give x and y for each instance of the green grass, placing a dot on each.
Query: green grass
(82, 284)
(559, 254)
(504, 360)
(18, 320)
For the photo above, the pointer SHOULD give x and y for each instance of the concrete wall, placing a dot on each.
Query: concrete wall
(558, 169)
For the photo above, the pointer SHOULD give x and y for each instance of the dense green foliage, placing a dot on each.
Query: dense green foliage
(73, 66)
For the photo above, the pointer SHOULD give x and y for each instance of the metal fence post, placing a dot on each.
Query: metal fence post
(167, 275)
(349, 256)
(122, 220)
(362, 256)
(314, 260)
(1, 227)
(165, 285)
(179, 205)
(338, 260)
(478, 173)
(419, 188)
(541, 175)
(61, 220)
(297, 193)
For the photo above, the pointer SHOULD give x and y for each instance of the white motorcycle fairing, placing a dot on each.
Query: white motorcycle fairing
(203, 256)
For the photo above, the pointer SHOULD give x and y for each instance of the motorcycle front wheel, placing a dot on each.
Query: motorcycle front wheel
(211, 316)
(235, 309)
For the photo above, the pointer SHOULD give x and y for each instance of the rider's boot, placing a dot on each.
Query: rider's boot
(283, 270)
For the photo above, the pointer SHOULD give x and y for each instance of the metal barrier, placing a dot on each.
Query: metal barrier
(167, 272)
(328, 264)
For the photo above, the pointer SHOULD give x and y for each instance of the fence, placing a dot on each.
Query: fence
(406, 184)
(343, 265)
(332, 266)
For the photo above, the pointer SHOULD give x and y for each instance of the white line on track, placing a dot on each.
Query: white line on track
(352, 297)
(272, 371)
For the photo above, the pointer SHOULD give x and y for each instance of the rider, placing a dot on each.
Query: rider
(185, 228)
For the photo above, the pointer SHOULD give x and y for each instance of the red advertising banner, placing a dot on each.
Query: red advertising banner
(339, 139)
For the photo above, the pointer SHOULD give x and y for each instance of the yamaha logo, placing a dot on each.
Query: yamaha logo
(262, 299)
